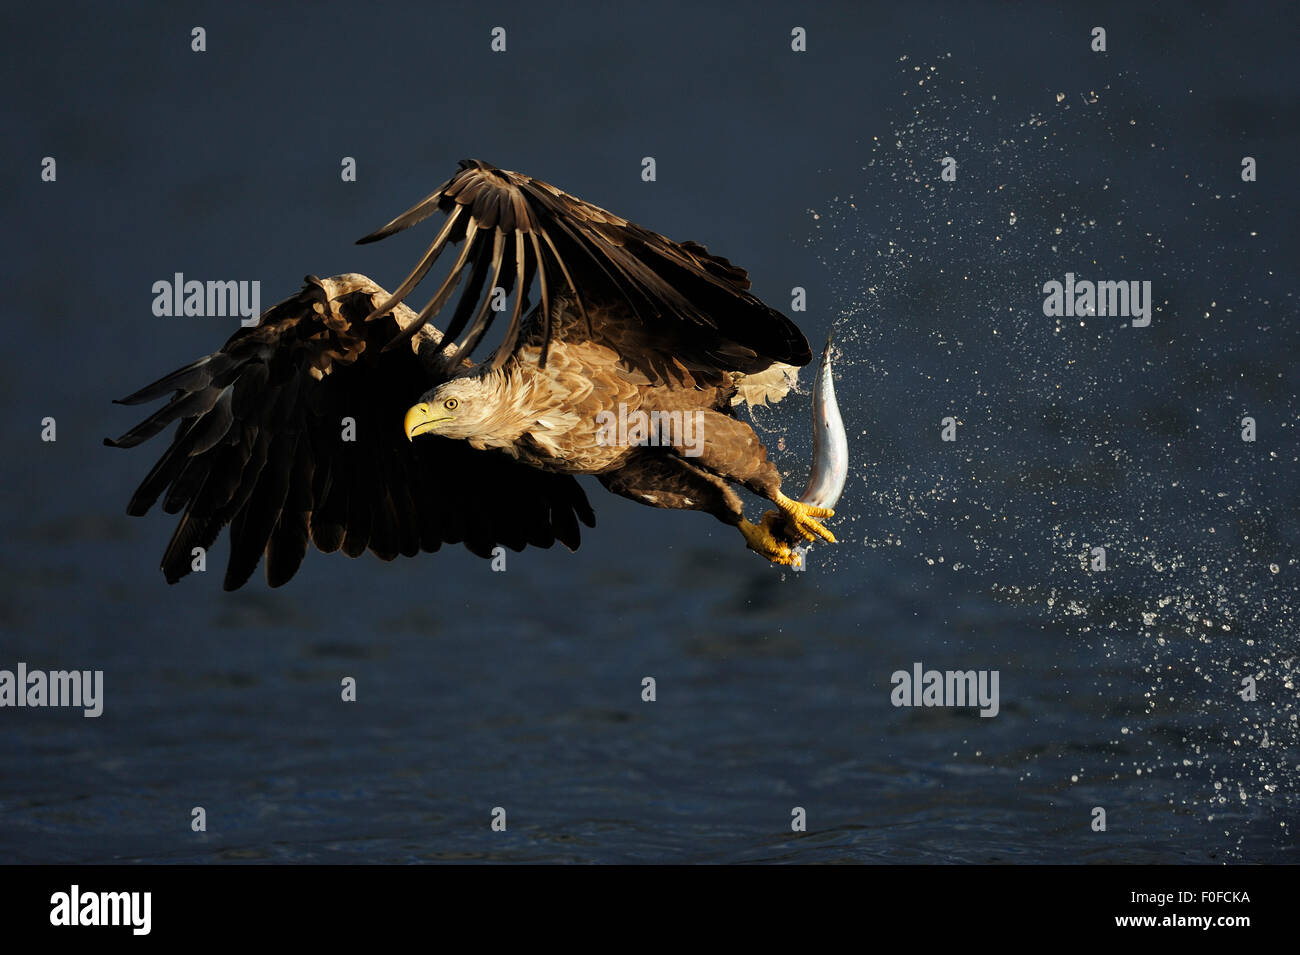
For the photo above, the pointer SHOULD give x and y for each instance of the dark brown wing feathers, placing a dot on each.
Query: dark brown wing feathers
(677, 300)
(259, 447)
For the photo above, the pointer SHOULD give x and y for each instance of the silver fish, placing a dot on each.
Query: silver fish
(830, 466)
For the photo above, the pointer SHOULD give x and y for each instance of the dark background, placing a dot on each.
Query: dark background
(522, 689)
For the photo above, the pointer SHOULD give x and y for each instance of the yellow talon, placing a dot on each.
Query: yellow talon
(802, 518)
(760, 540)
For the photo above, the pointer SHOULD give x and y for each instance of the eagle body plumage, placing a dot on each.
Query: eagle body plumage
(346, 419)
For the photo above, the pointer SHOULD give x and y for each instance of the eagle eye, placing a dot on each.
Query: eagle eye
(450, 404)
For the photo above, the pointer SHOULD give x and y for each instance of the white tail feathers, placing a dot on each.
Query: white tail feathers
(767, 386)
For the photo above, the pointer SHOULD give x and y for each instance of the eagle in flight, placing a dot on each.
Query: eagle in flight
(345, 419)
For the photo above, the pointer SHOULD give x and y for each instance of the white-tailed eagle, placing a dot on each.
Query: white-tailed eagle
(346, 419)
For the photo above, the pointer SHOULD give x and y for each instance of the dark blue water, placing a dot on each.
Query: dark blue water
(523, 689)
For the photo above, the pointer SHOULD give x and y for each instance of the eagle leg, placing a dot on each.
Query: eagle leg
(664, 480)
(731, 450)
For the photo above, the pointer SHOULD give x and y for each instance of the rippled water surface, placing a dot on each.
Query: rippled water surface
(522, 689)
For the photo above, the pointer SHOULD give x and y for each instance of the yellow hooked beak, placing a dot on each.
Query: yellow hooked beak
(420, 419)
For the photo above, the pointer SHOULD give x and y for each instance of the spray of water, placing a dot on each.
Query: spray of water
(1085, 439)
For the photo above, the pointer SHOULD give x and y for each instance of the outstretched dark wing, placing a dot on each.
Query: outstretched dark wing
(263, 445)
(652, 299)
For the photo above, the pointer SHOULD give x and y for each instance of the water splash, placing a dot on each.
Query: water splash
(1080, 433)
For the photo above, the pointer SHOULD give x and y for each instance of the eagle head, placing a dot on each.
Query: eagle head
(463, 408)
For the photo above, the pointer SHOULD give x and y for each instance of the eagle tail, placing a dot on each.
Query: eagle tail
(767, 386)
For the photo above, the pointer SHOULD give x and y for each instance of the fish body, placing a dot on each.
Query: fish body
(830, 466)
